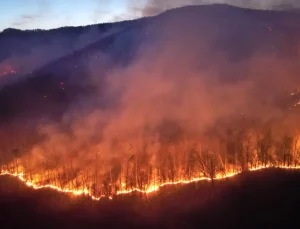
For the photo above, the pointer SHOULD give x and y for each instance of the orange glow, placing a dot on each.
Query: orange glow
(5, 70)
(151, 188)
(32, 184)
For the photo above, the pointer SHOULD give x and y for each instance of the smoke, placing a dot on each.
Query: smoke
(154, 7)
(180, 86)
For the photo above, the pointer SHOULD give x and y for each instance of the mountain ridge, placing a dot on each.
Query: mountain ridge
(271, 32)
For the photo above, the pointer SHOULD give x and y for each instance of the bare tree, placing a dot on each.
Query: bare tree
(207, 164)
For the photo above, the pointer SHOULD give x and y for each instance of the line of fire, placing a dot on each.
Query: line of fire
(146, 170)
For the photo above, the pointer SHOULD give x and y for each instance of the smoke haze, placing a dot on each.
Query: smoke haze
(179, 83)
(186, 85)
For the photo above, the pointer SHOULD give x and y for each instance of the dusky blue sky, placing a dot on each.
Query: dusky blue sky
(46, 14)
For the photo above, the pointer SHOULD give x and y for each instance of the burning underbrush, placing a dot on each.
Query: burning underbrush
(145, 171)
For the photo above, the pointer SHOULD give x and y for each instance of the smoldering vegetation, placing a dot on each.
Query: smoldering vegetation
(197, 91)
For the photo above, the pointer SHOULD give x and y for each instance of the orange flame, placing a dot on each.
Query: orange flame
(150, 189)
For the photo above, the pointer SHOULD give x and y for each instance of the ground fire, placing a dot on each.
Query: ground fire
(186, 162)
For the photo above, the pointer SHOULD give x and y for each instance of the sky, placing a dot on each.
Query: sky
(47, 14)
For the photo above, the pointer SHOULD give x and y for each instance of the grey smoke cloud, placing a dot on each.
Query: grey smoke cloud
(167, 83)
(156, 6)
(181, 79)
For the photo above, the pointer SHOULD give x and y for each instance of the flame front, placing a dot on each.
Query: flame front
(33, 184)
(146, 171)
(150, 189)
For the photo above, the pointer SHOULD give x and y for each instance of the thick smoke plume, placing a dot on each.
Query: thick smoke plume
(177, 102)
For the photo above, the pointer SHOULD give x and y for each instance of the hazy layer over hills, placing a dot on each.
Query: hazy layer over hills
(199, 38)
(188, 74)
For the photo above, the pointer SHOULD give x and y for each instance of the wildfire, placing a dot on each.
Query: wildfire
(181, 164)
(6, 70)
(151, 189)
(32, 184)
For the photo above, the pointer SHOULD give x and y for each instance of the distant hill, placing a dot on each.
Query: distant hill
(26, 50)
(67, 57)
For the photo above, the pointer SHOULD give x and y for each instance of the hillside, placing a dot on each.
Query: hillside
(240, 65)
(252, 200)
(194, 92)
(24, 51)
(238, 35)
